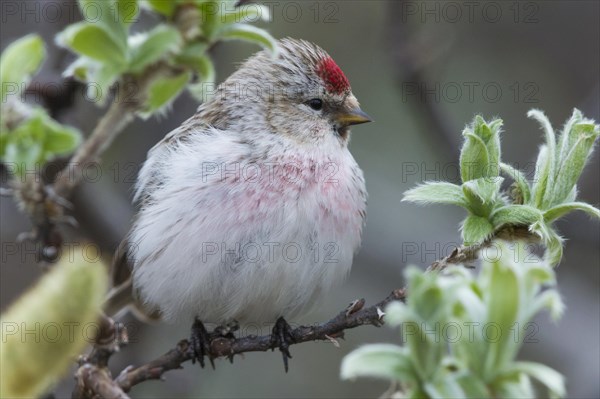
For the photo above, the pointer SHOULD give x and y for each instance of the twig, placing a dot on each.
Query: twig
(468, 254)
(223, 346)
(117, 117)
(93, 377)
(94, 381)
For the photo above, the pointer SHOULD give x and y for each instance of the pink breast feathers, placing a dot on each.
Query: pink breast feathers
(335, 80)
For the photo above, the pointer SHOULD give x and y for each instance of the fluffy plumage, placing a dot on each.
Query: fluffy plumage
(254, 207)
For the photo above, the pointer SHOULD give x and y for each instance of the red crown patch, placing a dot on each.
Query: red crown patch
(335, 80)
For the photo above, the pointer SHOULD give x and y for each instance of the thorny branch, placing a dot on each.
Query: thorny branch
(93, 375)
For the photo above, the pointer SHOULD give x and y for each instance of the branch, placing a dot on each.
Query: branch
(94, 381)
(93, 377)
(468, 254)
(117, 117)
(228, 346)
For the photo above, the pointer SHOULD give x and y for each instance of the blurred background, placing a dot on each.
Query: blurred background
(422, 70)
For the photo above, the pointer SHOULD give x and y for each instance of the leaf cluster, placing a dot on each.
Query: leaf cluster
(462, 333)
(537, 204)
(189, 28)
(29, 137)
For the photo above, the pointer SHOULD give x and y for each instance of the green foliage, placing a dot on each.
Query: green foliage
(163, 90)
(28, 136)
(20, 60)
(536, 205)
(35, 141)
(108, 51)
(462, 333)
(57, 314)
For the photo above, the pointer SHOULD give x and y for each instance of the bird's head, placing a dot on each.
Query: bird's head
(300, 92)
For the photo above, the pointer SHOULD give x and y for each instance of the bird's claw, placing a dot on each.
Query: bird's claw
(200, 341)
(282, 337)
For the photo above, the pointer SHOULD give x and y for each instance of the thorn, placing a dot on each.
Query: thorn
(380, 313)
(333, 341)
(355, 306)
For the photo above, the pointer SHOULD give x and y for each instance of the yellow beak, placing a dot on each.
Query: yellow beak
(353, 117)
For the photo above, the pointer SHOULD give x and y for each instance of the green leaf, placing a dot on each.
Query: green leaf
(520, 180)
(150, 47)
(515, 215)
(540, 179)
(436, 192)
(473, 386)
(503, 299)
(385, 361)
(101, 80)
(542, 229)
(572, 195)
(164, 7)
(37, 140)
(480, 155)
(550, 378)
(443, 388)
(483, 195)
(62, 307)
(60, 139)
(560, 210)
(551, 162)
(163, 91)
(574, 162)
(493, 143)
(481, 129)
(19, 61)
(126, 12)
(475, 229)
(103, 13)
(250, 34)
(210, 12)
(490, 134)
(192, 53)
(554, 247)
(94, 41)
(205, 67)
(550, 300)
(513, 385)
(114, 15)
(567, 139)
(474, 158)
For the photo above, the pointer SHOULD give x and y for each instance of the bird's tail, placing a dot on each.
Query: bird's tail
(119, 299)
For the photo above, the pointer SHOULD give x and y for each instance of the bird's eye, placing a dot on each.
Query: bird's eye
(316, 104)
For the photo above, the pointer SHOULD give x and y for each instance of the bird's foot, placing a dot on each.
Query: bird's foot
(282, 337)
(200, 340)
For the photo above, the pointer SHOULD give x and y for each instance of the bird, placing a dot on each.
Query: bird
(252, 209)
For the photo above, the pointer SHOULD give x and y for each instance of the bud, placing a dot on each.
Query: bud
(48, 326)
